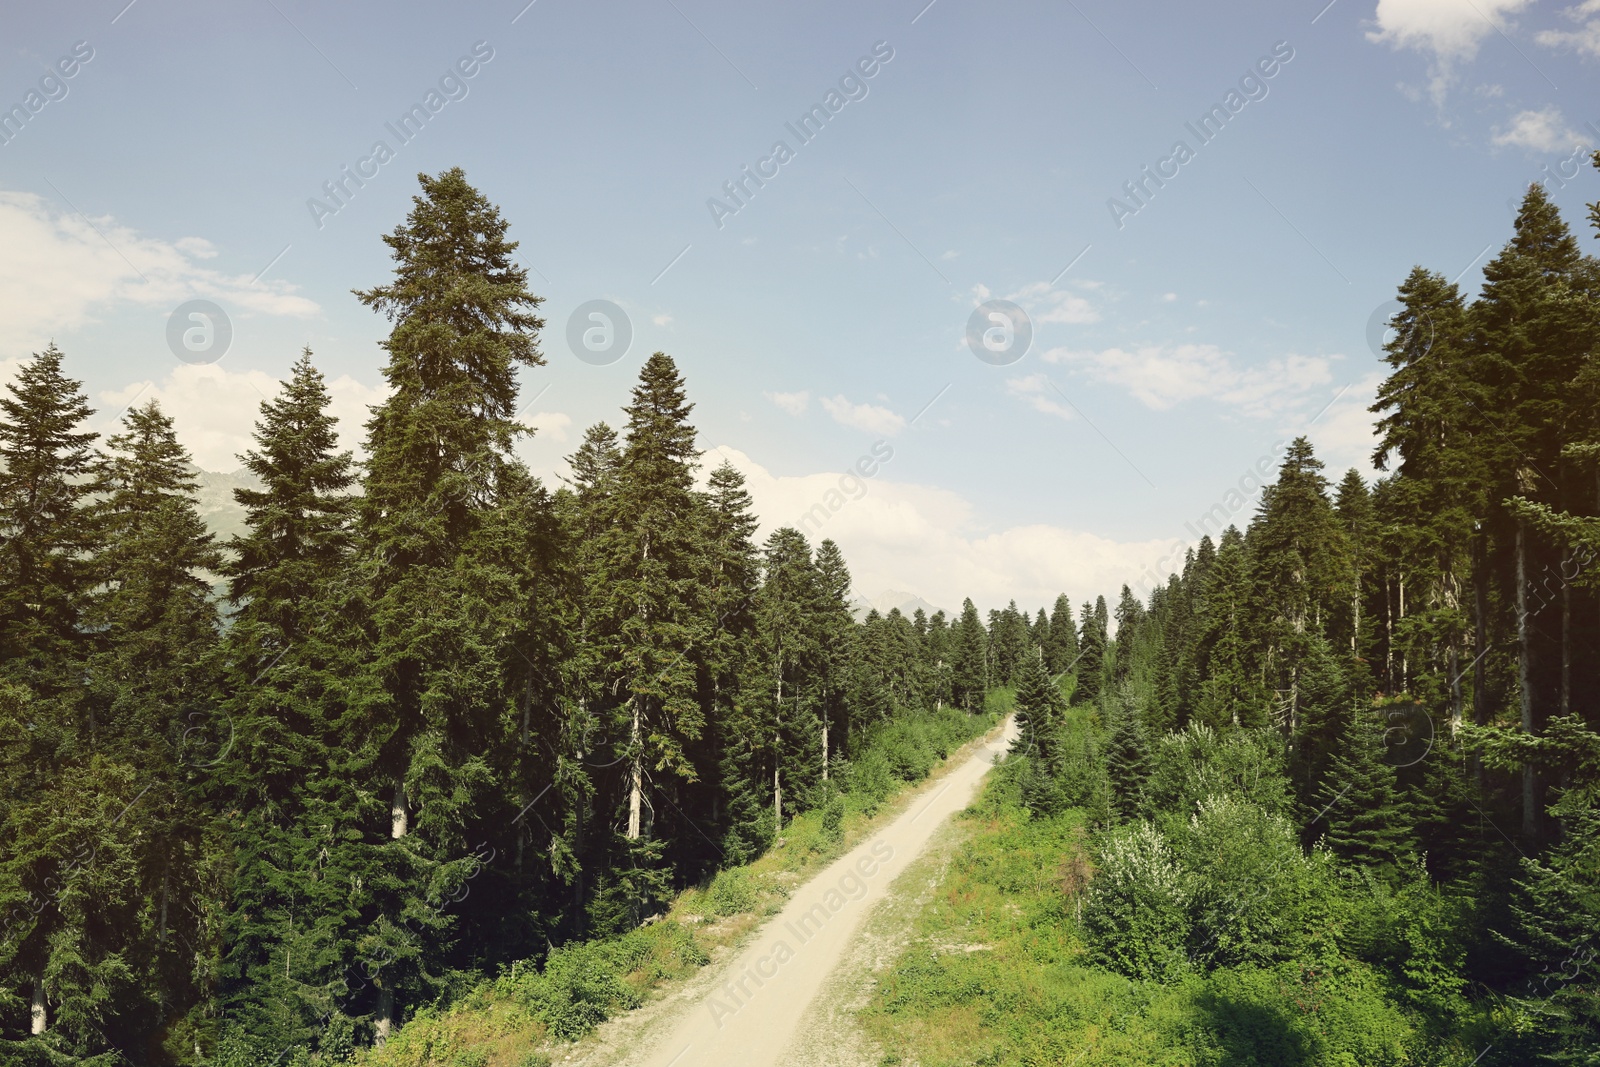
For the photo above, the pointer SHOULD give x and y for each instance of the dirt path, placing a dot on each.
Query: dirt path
(748, 1010)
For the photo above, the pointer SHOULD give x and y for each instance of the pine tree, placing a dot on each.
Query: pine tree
(1061, 651)
(970, 676)
(834, 640)
(442, 602)
(150, 687)
(45, 535)
(1359, 802)
(298, 540)
(785, 610)
(1127, 755)
(1091, 653)
(654, 614)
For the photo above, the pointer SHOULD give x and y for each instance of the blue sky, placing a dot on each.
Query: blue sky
(1193, 332)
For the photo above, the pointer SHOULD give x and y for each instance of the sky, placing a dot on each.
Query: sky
(1186, 310)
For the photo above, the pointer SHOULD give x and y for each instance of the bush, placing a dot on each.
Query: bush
(1135, 912)
(1247, 884)
(731, 892)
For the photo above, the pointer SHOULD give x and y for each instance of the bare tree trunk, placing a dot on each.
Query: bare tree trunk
(41, 1011)
(383, 1021)
(399, 812)
(1405, 664)
(1566, 645)
(824, 739)
(1388, 636)
(635, 778)
(1530, 815)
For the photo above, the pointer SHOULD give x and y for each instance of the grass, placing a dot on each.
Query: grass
(531, 1012)
(997, 971)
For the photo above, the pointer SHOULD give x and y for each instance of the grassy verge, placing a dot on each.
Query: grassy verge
(997, 971)
(537, 1007)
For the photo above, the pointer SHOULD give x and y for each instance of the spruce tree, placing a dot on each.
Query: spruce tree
(433, 707)
(1359, 802)
(970, 674)
(652, 621)
(46, 459)
(151, 684)
(1091, 654)
(274, 773)
(1061, 651)
(1127, 755)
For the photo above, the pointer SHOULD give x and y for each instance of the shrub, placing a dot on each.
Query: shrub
(1247, 883)
(731, 892)
(1135, 911)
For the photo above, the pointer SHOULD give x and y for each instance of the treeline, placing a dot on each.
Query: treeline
(257, 818)
(1347, 761)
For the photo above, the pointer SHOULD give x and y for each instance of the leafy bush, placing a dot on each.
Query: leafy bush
(1247, 883)
(731, 892)
(1135, 912)
(581, 985)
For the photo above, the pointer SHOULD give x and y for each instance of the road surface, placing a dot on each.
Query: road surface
(747, 1014)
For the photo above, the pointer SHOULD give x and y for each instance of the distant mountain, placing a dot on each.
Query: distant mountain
(888, 600)
(222, 514)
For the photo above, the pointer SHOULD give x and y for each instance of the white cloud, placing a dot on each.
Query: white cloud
(868, 417)
(59, 270)
(1163, 376)
(1585, 39)
(214, 410)
(1544, 130)
(1047, 304)
(898, 535)
(1035, 389)
(793, 403)
(1344, 434)
(661, 320)
(551, 425)
(1449, 31)
(1169, 297)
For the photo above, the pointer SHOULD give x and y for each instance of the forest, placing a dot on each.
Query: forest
(1328, 796)
(246, 787)
(1332, 794)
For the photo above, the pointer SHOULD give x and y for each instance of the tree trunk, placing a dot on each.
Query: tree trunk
(1530, 815)
(636, 778)
(1388, 636)
(41, 1012)
(399, 813)
(383, 1021)
(1566, 643)
(824, 740)
(1405, 665)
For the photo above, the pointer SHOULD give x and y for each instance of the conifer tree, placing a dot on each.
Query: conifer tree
(1091, 653)
(150, 686)
(970, 676)
(1127, 755)
(1359, 803)
(274, 772)
(45, 536)
(1061, 651)
(433, 706)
